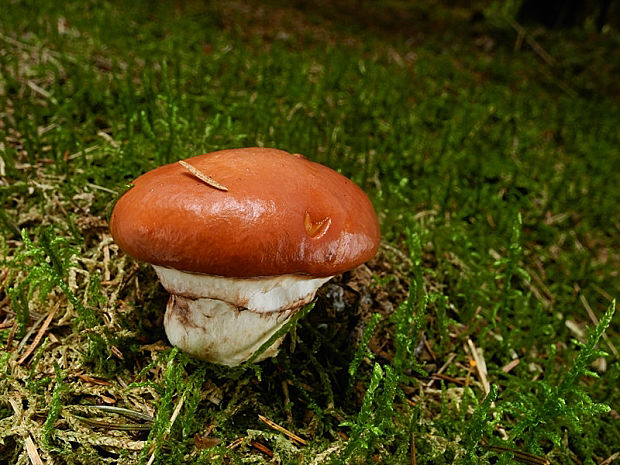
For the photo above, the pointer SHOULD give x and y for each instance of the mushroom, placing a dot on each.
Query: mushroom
(242, 239)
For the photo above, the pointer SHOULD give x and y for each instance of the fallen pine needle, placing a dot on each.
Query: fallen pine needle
(203, 177)
(509, 366)
(97, 381)
(442, 369)
(39, 335)
(236, 443)
(439, 376)
(521, 456)
(9, 340)
(610, 459)
(287, 403)
(284, 431)
(261, 447)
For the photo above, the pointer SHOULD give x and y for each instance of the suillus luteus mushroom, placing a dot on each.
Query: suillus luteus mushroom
(241, 254)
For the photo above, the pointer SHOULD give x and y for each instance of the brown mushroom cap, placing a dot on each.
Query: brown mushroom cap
(282, 214)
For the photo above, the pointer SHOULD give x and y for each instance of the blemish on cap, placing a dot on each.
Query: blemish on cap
(316, 229)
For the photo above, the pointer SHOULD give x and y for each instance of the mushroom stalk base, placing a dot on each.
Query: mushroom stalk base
(218, 332)
(226, 320)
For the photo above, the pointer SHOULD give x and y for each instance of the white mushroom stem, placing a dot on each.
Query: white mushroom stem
(225, 320)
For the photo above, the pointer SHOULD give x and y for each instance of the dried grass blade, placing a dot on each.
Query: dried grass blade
(33, 453)
(173, 418)
(480, 366)
(39, 335)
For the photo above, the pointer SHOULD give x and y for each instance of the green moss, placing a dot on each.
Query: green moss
(493, 175)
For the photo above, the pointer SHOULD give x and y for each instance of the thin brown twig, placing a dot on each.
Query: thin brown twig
(134, 415)
(114, 426)
(203, 177)
(412, 448)
(430, 350)
(7, 324)
(236, 443)
(510, 365)
(9, 340)
(541, 52)
(287, 403)
(90, 379)
(602, 292)
(459, 381)
(31, 330)
(261, 447)
(284, 431)
(451, 357)
(5, 278)
(521, 456)
(609, 460)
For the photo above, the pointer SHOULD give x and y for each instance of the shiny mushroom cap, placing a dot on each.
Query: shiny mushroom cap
(281, 214)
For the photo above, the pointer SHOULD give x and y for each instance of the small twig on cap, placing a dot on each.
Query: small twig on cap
(203, 177)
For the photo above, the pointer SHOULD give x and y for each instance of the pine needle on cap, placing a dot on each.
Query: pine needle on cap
(203, 177)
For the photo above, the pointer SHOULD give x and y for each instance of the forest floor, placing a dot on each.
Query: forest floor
(482, 332)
